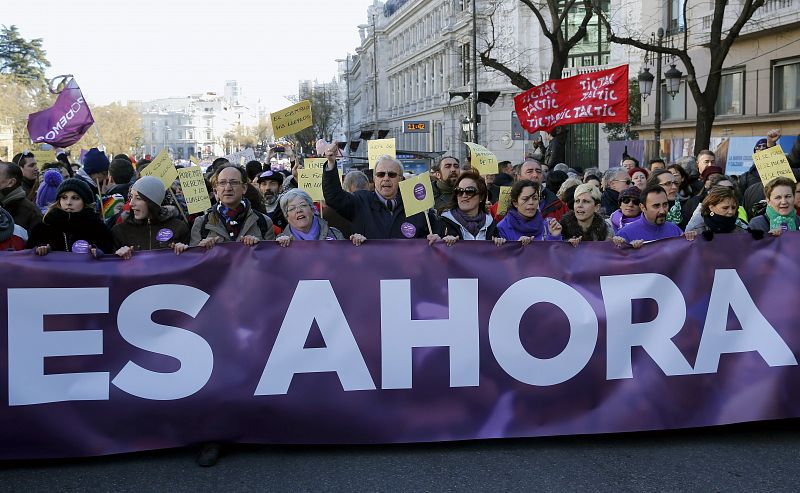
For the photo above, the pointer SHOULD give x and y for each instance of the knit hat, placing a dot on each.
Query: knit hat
(78, 186)
(711, 170)
(95, 161)
(151, 187)
(46, 194)
(270, 175)
(638, 170)
(760, 145)
(6, 225)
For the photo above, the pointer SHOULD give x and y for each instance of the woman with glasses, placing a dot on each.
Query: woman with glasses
(524, 222)
(629, 209)
(304, 222)
(780, 215)
(466, 217)
(584, 223)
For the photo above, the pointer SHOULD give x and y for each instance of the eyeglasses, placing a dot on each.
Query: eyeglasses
(381, 174)
(468, 192)
(297, 208)
(628, 200)
(627, 182)
(528, 198)
(225, 183)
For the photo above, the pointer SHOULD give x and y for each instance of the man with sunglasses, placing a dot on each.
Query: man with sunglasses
(615, 180)
(377, 215)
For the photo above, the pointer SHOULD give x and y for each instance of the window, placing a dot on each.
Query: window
(786, 89)
(675, 21)
(466, 57)
(208, 134)
(673, 109)
(730, 100)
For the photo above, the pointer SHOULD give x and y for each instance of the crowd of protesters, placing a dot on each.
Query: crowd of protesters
(106, 206)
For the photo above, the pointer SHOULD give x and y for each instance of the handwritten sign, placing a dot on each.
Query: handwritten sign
(482, 159)
(592, 97)
(292, 119)
(162, 168)
(379, 148)
(310, 180)
(417, 194)
(194, 189)
(504, 201)
(772, 163)
(241, 157)
(315, 163)
(44, 157)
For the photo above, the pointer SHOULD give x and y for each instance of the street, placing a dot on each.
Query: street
(749, 457)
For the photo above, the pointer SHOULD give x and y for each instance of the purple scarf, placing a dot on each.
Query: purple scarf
(312, 234)
(619, 221)
(473, 224)
(514, 225)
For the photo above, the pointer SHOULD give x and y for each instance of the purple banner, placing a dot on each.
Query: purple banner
(64, 123)
(393, 341)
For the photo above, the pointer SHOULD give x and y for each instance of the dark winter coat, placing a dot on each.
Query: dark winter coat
(162, 233)
(600, 230)
(61, 229)
(25, 213)
(448, 226)
(368, 214)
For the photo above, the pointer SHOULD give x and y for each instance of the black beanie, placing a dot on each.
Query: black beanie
(78, 186)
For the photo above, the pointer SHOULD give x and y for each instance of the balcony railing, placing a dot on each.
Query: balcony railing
(773, 14)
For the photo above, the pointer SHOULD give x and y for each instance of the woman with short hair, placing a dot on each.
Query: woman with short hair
(304, 222)
(780, 215)
(584, 222)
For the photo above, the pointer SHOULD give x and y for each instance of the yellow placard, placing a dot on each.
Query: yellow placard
(417, 194)
(292, 119)
(194, 160)
(310, 180)
(504, 201)
(194, 189)
(378, 148)
(44, 157)
(162, 168)
(482, 159)
(772, 163)
(314, 163)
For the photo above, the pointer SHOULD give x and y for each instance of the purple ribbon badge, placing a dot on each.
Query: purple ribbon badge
(408, 230)
(165, 234)
(81, 246)
(419, 191)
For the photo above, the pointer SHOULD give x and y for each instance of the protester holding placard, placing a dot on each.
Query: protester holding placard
(71, 224)
(304, 223)
(148, 225)
(524, 222)
(233, 218)
(379, 214)
(629, 209)
(14, 200)
(584, 222)
(467, 218)
(780, 215)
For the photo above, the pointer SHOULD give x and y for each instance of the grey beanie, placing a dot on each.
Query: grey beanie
(6, 225)
(151, 187)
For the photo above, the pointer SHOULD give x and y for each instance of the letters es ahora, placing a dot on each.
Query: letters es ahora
(29, 344)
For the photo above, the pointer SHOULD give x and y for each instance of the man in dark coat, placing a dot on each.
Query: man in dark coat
(13, 198)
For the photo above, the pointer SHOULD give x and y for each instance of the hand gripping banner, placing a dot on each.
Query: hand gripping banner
(393, 341)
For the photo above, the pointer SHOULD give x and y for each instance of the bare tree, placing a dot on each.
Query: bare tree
(720, 42)
(552, 16)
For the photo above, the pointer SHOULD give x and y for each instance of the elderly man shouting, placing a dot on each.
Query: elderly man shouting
(376, 215)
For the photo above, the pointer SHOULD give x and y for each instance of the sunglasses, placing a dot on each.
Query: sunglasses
(381, 174)
(628, 200)
(468, 192)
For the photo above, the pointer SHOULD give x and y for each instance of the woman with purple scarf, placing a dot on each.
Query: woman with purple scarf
(466, 218)
(304, 222)
(524, 222)
(629, 209)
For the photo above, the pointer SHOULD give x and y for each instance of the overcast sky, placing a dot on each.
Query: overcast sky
(149, 49)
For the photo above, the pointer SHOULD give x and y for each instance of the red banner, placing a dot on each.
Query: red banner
(596, 97)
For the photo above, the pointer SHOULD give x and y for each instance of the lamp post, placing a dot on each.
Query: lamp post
(646, 79)
(474, 106)
(347, 102)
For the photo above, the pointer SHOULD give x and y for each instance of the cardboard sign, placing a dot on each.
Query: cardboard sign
(314, 163)
(194, 189)
(772, 163)
(292, 119)
(378, 148)
(482, 159)
(417, 194)
(241, 157)
(194, 160)
(310, 180)
(44, 157)
(504, 201)
(162, 168)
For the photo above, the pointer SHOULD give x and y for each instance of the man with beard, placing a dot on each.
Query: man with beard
(615, 180)
(653, 225)
(447, 172)
(666, 180)
(269, 184)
